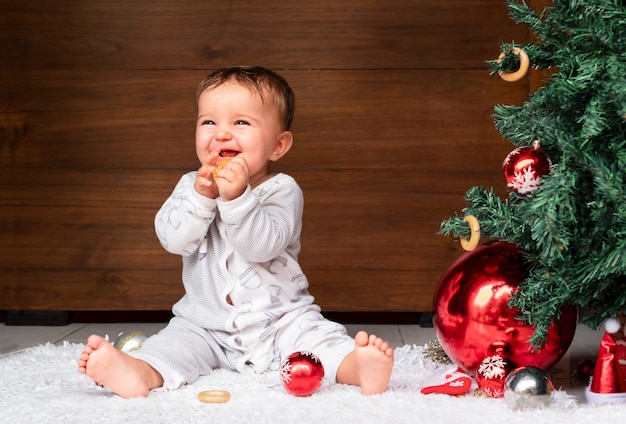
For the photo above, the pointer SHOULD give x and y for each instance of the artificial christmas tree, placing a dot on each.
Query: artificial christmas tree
(571, 225)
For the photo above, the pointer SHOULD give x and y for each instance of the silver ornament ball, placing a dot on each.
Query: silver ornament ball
(129, 341)
(528, 387)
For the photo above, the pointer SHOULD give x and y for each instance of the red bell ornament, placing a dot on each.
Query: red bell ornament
(302, 373)
(473, 320)
(524, 167)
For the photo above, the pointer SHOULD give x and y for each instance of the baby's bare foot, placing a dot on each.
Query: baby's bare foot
(127, 376)
(374, 359)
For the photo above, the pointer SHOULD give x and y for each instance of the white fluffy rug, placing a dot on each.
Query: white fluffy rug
(42, 385)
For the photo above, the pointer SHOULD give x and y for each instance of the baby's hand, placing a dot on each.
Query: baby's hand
(231, 176)
(205, 184)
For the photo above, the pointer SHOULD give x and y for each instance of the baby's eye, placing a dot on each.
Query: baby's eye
(208, 122)
(241, 122)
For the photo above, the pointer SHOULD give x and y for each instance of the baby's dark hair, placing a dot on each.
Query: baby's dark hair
(264, 81)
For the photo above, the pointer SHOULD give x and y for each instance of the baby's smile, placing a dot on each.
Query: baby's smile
(228, 153)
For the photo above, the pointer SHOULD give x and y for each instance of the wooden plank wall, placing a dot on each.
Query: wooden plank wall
(393, 125)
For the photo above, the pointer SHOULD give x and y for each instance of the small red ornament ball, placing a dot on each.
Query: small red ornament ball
(524, 167)
(585, 368)
(302, 373)
(492, 373)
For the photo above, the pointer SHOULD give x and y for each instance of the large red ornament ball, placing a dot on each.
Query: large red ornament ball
(492, 373)
(302, 373)
(473, 320)
(524, 167)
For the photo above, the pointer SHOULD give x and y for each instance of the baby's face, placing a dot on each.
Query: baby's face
(236, 121)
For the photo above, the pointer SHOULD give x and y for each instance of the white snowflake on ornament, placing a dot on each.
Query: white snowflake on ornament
(492, 366)
(285, 371)
(524, 182)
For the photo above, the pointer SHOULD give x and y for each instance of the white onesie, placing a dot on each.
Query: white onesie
(246, 304)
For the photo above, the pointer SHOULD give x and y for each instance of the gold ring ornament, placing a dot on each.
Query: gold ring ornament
(472, 242)
(524, 64)
(214, 396)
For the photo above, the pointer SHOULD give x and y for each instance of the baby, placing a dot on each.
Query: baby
(237, 227)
